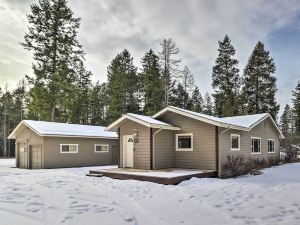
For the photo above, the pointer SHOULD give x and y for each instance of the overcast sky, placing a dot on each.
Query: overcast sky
(108, 26)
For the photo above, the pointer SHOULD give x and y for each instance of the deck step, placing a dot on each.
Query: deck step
(94, 175)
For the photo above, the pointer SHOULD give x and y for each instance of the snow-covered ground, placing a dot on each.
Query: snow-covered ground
(67, 196)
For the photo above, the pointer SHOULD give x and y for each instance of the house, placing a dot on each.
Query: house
(42, 144)
(178, 138)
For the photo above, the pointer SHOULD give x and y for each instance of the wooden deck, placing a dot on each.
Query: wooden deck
(166, 178)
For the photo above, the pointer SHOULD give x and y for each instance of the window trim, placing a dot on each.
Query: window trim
(184, 149)
(95, 145)
(273, 145)
(256, 153)
(69, 151)
(235, 135)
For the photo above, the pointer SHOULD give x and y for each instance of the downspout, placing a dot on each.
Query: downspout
(218, 149)
(153, 145)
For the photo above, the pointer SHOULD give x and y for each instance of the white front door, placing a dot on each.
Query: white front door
(128, 151)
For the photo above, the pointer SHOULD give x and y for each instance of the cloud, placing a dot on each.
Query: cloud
(107, 27)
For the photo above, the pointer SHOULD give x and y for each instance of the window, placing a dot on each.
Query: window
(184, 142)
(101, 148)
(271, 146)
(256, 145)
(235, 142)
(68, 148)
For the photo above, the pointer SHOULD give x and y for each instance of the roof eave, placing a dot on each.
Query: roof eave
(164, 127)
(78, 136)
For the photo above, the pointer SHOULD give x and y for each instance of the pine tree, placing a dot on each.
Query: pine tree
(169, 65)
(52, 37)
(196, 101)
(179, 97)
(80, 108)
(152, 84)
(296, 108)
(226, 80)
(260, 83)
(285, 121)
(19, 95)
(98, 104)
(122, 87)
(7, 118)
(208, 105)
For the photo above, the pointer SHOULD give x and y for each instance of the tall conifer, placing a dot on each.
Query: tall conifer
(260, 83)
(226, 80)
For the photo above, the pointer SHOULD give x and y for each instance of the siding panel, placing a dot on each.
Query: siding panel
(203, 155)
(86, 155)
(141, 154)
(264, 130)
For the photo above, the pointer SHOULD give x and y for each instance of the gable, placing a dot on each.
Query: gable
(242, 123)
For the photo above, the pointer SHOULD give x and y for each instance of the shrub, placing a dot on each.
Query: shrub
(290, 152)
(273, 161)
(234, 166)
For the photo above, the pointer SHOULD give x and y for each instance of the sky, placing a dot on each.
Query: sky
(107, 27)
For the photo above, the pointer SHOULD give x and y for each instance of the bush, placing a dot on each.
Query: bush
(273, 161)
(234, 166)
(238, 165)
(290, 152)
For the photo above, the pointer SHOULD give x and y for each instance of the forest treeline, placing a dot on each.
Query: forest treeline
(60, 87)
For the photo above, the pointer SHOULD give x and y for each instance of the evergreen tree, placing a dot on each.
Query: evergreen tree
(19, 95)
(179, 96)
(197, 101)
(6, 119)
(260, 83)
(98, 104)
(285, 121)
(122, 87)
(80, 109)
(152, 84)
(52, 37)
(226, 80)
(296, 108)
(169, 65)
(208, 105)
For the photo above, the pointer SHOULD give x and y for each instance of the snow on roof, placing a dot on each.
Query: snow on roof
(245, 121)
(148, 119)
(144, 120)
(44, 128)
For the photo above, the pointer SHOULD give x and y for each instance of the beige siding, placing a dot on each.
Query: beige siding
(27, 137)
(203, 155)
(141, 155)
(164, 149)
(86, 155)
(264, 130)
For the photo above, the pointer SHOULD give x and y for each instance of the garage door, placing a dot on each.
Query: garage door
(35, 156)
(23, 156)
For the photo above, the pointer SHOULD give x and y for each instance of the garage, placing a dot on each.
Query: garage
(43, 144)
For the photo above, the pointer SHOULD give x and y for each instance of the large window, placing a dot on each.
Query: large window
(101, 147)
(256, 145)
(184, 142)
(271, 146)
(68, 148)
(235, 142)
